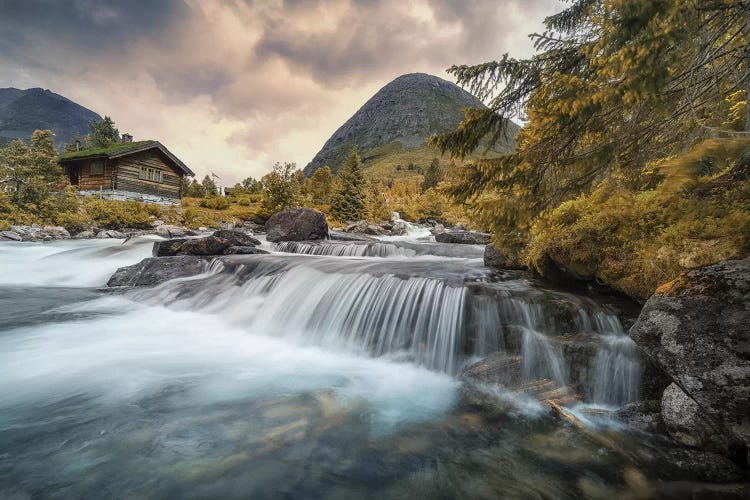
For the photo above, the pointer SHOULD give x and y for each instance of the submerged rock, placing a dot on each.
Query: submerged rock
(297, 225)
(156, 270)
(463, 237)
(642, 415)
(697, 329)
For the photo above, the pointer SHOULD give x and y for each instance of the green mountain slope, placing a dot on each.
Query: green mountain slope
(391, 128)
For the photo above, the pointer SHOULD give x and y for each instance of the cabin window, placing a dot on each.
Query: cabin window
(96, 168)
(150, 174)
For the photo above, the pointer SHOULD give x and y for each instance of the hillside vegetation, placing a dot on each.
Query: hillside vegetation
(633, 164)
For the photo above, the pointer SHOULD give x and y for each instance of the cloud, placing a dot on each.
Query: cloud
(234, 86)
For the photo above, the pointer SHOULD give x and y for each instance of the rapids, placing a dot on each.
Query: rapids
(325, 369)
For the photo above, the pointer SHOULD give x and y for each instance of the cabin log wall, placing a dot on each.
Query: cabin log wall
(88, 182)
(128, 170)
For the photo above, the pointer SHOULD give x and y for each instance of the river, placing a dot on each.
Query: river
(323, 370)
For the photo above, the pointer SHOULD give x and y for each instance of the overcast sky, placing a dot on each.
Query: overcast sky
(234, 86)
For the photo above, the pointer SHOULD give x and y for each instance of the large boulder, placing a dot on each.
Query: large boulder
(463, 237)
(297, 225)
(167, 248)
(237, 238)
(153, 271)
(56, 232)
(642, 415)
(210, 245)
(697, 329)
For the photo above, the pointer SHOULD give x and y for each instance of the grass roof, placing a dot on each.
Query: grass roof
(117, 148)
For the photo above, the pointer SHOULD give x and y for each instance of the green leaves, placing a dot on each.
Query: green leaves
(348, 202)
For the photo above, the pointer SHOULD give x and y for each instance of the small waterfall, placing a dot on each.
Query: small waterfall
(615, 377)
(541, 360)
(340, 249)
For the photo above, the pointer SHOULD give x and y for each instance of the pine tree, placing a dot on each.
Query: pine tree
(348, 201)
(432, 176)
(614, 85)
(103, 133)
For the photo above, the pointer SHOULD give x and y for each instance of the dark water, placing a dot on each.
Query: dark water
(290, 376)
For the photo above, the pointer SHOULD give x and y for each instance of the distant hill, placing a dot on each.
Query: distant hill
(23, 111)
(391, 128)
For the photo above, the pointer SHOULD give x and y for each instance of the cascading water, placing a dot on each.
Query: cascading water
(276, 362)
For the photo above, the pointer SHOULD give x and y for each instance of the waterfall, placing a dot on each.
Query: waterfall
(615, 376)
(349, 249)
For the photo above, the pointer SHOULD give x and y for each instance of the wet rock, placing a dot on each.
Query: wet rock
(167, 248)
(169, 231)
(689, 424)
(210, 245)
(498, 368)
(84, 235)
(153, 271)
(496, 258)
(642, 415)
(297, 225)
(10, 236)
(399, 228)
(109, 233)
(243, 250)
(254, 228)
(697, 329)
(439, 228)
(237, 238)
(463, 237)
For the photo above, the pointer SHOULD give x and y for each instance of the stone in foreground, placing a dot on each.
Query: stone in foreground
(697, 329)
(156, 270)
(299, 224)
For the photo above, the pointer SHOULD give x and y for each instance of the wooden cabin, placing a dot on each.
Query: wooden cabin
(144, 171)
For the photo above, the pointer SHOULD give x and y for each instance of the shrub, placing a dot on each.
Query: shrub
(118, 214)
(215, 203)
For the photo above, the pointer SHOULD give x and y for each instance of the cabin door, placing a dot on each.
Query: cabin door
(74, 176)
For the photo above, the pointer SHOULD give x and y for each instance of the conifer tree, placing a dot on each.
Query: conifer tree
(321, 185)
(432, 176)
(348, 201)
(103, 133)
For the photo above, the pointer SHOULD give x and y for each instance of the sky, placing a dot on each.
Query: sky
(232, 87)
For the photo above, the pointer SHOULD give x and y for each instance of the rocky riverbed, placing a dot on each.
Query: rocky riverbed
(345, 364)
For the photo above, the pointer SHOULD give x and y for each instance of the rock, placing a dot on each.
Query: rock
(169, 231)
(375, 230)
(356, 227)
(56, 232)
(167, 248)
(297, 225)
(27, 233)
(237, 238)
(210, 245)
(459, 227)
(439, 228)
(243, 250)
(109, 233)
(341, 236)
(689, 424)
(642, 415)
(463, 237)
(680, 463)
(84, 235)
(153, 271)
(498, 368)
(156, 223)
(254, 228)
(10, 235)
(399, 228)
(697, 329)
(496, 258)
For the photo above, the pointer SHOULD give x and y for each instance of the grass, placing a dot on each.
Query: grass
(114, 148)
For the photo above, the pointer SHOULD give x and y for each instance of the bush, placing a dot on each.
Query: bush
(215, 203)
(244, 201)
(118, 214)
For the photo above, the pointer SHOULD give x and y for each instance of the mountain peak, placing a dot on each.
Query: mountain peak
(406, 111)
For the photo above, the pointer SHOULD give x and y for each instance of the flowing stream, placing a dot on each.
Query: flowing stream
(322, 370)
